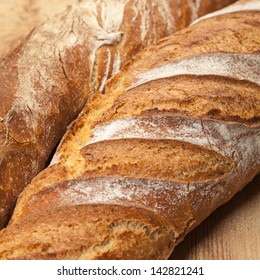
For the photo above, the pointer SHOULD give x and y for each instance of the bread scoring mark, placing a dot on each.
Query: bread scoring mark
(217, 64)
(237, 7)
(143, 11)
(179, 11)
(112, 24)
(112, 14)
(105, 75)
(159, 196)
(145, 22)
(103, 37)
(236, 141)
(174, 128)
(160, 127)
(165, 11)
(164, 197)
(194, 6)
(154, 158)
(117, 64)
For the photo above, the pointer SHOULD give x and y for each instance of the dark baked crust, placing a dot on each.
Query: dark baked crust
(46, 81)
(125, 114)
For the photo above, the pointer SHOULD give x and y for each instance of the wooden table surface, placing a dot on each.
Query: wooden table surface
(231, 232)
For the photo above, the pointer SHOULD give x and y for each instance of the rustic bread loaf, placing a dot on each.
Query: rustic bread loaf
(175, 136)
(48, 78)
(19, 17)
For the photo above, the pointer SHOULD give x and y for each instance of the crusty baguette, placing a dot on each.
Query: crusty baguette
(175, 136)
(230, 233)
(46, 81)
(19, 17)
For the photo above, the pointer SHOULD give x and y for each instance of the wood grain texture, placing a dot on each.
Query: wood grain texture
(232, 232)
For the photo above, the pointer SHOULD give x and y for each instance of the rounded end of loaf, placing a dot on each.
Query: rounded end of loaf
(89, 232)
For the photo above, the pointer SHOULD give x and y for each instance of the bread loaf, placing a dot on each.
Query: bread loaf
(48, 78)
(175, 135)
(19, 17)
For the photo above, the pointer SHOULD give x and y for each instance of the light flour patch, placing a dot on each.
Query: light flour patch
(237, 7)
(194, 7)
(218, 64)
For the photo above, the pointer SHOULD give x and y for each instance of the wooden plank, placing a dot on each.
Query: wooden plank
(231, 232)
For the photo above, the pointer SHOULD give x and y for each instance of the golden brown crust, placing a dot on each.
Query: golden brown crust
(200, 96)
(176, 201)
(72, 234)
(163, 159)
(47, 80)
